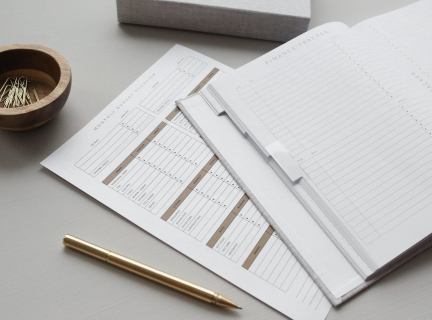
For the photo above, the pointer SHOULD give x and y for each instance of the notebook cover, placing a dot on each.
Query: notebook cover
(335, 301)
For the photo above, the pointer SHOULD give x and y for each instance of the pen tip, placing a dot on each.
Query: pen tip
(239, 307)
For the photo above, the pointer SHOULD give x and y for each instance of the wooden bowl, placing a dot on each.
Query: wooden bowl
(49, 72)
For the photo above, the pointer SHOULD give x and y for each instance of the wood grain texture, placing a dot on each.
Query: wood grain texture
(51, 74)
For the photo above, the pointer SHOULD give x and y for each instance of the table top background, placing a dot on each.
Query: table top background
(39, 278)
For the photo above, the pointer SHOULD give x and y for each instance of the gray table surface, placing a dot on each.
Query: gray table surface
(39, 279)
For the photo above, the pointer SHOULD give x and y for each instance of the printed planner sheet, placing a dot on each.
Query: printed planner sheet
(142, 158)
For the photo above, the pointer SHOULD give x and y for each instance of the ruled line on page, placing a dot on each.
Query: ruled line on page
(324, 113)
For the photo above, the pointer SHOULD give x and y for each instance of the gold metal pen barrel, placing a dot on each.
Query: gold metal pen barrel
(148, 272)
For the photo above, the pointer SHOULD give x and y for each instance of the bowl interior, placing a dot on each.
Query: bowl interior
(40, 68)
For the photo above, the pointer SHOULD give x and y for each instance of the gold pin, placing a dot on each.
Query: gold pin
(15, 92)
(34, 91)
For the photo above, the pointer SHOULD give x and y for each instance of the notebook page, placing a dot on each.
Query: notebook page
(308, 42)
(403, 37)
(345, 116)
(142, 158)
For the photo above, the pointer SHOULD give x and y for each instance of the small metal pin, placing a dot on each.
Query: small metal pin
(15, 92)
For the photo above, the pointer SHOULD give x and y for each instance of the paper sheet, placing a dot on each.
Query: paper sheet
(270, 194)
(143, 159)
(357, 127)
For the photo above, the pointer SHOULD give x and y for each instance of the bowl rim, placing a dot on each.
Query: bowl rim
(65, 78)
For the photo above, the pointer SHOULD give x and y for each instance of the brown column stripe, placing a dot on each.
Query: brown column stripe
(204, 81)
(140, 147)
(134, 153)
(119, 169)
(173, 114)
(148, 139)
(228, 220)
(189, 189)
(258, 248)
(195, 90)
(176, 204)
(240, 204)
(158, 129)
(221, 230)
(210, 164)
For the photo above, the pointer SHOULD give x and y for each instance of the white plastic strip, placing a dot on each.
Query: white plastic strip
(285, 161)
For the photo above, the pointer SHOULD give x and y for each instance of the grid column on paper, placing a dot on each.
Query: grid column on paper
(111, 145)
(169, 89)
(160, 169)
(208, 198)
(243, 228)
(369, 123)
(181, 121)
(274, 263)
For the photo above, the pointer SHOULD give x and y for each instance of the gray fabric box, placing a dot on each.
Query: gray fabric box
(277, 20)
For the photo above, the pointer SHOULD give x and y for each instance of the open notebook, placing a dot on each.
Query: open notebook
(339, 120)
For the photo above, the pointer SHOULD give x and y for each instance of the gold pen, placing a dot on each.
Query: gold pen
(148, 272)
